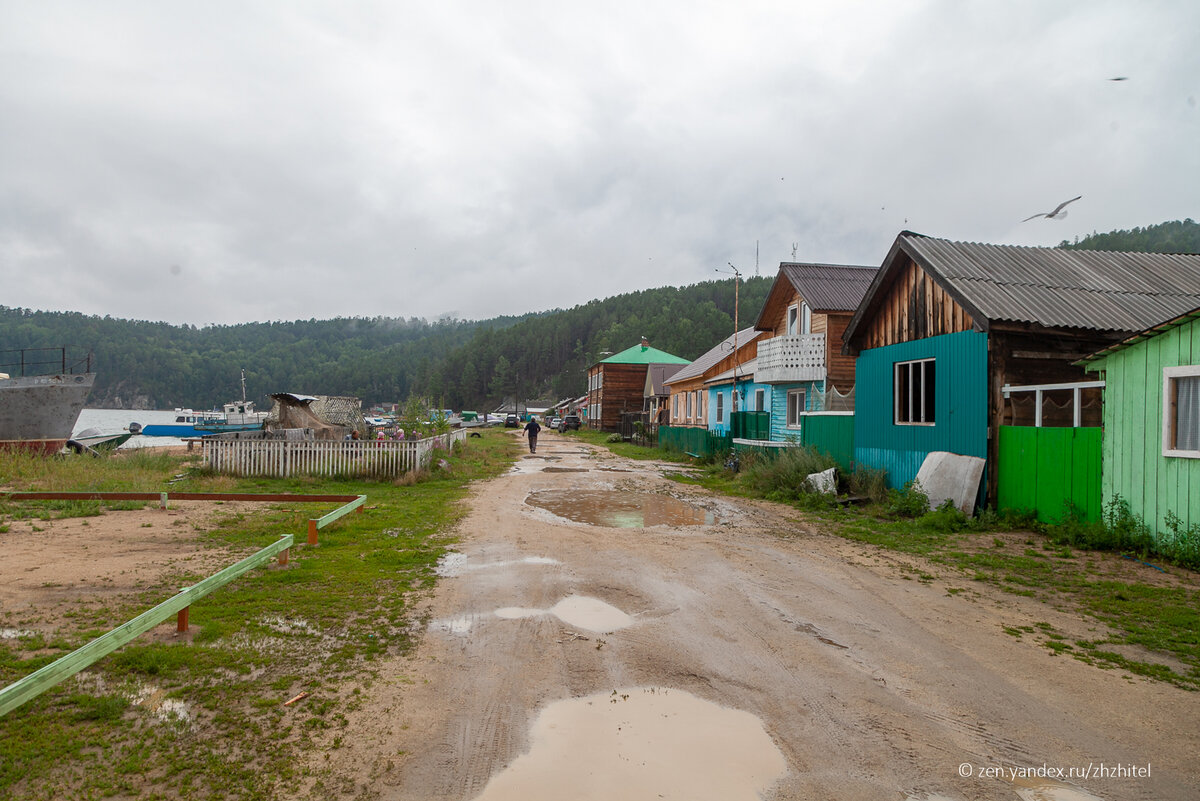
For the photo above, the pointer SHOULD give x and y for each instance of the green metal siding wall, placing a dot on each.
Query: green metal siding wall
(832, 434)
(1042, 469)
(699, 441)
(960, 404)
(1134, 467)
(750, 425)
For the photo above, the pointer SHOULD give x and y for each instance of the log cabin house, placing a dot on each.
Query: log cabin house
(617, 385)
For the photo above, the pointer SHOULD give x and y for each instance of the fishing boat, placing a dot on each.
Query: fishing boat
(95, 438)
(41, 395)
(234, 416)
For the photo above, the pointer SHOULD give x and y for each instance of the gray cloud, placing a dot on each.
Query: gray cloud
(229, 162)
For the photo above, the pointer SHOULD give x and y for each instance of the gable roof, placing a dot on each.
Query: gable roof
(709, 359)
(643, 354)
(1052, 287)
(824, 287)
(1142, 336)
(659, 373)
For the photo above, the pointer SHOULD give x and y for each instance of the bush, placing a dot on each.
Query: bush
(907, 502)
(868, 482)
(947, 518)
(785, 476)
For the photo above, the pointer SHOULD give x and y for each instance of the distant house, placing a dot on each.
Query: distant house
(955, 340)
(617, 385)
(690, 403)
(656, 393)
(1151, 451)
(800, 359)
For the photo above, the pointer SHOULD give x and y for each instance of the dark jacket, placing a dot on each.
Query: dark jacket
(533, 428)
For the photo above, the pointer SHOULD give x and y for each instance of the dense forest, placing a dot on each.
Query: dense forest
(458, 364)
(1168, 237)
(455, 363)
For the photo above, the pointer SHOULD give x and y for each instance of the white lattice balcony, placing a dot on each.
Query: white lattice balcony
(787, 359)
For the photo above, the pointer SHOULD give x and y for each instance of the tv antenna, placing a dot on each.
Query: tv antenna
(737, 277)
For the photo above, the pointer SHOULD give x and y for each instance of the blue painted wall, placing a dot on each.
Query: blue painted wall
(745, 403)
(778, 406)
(960, 404)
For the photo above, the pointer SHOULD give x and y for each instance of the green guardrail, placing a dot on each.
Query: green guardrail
(46, 677)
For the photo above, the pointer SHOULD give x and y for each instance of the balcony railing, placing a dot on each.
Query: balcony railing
(799, 357)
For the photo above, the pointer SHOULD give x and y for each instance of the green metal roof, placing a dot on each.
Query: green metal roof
(643, 354)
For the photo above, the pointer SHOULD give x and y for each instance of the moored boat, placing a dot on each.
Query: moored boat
(41, 395)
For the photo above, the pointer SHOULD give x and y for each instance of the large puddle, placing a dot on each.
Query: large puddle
(641, 743)
(578, 611)
(620, 509)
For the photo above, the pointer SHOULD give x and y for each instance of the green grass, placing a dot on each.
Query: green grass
(318, 625)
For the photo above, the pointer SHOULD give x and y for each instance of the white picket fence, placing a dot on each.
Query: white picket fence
(283, 458)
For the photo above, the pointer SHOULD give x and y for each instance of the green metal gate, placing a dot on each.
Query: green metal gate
(1044, 469)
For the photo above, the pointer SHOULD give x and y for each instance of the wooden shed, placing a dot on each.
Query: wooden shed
(1151, 449)
(949, 333)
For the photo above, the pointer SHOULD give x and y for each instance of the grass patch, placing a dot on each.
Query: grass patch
(205, 718)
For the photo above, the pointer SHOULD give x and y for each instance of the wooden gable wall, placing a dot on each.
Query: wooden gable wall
(914, 307)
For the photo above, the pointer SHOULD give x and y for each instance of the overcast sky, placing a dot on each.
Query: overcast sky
(224, 162)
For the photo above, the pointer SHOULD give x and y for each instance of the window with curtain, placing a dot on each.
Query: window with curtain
(1181, 411)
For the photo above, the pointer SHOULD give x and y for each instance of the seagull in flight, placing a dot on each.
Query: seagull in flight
(1057, 214)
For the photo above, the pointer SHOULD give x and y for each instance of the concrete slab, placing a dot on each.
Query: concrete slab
(825, 481)
(944, 475)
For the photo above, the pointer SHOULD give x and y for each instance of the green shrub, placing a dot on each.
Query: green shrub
(947, 518)
(868, 482)
(907, 502)
(785, 476)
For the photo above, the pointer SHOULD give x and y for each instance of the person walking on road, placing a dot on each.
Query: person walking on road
(532, 428)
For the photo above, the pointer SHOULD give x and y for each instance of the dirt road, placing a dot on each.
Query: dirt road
(746, 657)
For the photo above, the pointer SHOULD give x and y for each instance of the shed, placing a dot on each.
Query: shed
(946, 327)
(1151, 449)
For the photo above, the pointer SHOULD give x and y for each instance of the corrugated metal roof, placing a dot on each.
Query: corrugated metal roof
(723, 349)
(744, 371)
(1142, 336)
(659, 373)
(1053, 287)
(829, 287)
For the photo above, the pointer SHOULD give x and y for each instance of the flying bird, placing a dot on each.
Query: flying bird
(1057, 214)
(1120, 78)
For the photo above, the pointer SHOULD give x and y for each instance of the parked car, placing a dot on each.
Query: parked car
(555, 422)
(512, 421)
(569, 423)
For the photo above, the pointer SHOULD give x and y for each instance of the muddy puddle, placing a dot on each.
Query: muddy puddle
(454, 563)
(579, 611)
(620, 509)
(641, 743)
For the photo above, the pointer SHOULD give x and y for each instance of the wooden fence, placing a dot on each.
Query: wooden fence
(282, 458)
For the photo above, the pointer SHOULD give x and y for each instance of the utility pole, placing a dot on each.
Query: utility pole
(737, 277)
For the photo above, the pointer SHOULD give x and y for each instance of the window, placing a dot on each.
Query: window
(792, 316)
(795, 407)
(805, 319)
(759, 400)
(913, 390)
(1181, 411)
(689, 404)
(720, 408)
(674, 408)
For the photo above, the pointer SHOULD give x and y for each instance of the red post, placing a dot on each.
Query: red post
(181, 620)
(283, 556)
(312, 532)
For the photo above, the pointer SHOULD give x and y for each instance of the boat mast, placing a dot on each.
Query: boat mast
(243, 385)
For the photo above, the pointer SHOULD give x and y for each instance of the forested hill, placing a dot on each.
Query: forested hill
(463, 364)
(1168, 237)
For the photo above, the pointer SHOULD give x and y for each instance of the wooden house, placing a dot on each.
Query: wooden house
(1151, 449)
(617, 385)
(800, 355)
(657, 394)
(949, 334)
(689, 392)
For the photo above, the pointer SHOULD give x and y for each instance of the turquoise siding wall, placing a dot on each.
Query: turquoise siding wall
(745, 404)
(777, 398)
(1134, 467)
(960, 404)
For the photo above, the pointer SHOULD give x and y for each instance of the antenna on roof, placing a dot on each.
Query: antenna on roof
(795, 247)
(756, 258)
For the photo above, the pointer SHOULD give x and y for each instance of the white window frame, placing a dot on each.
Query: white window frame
(805, 319)
(720, 408)
(1170, 375)
(675, 408)
(794, 415)
(688, 416)
(897, 400)
(760, 401)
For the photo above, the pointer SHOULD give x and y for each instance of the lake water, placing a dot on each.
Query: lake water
(110, 421)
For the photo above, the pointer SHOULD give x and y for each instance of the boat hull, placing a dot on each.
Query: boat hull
(38, 413)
